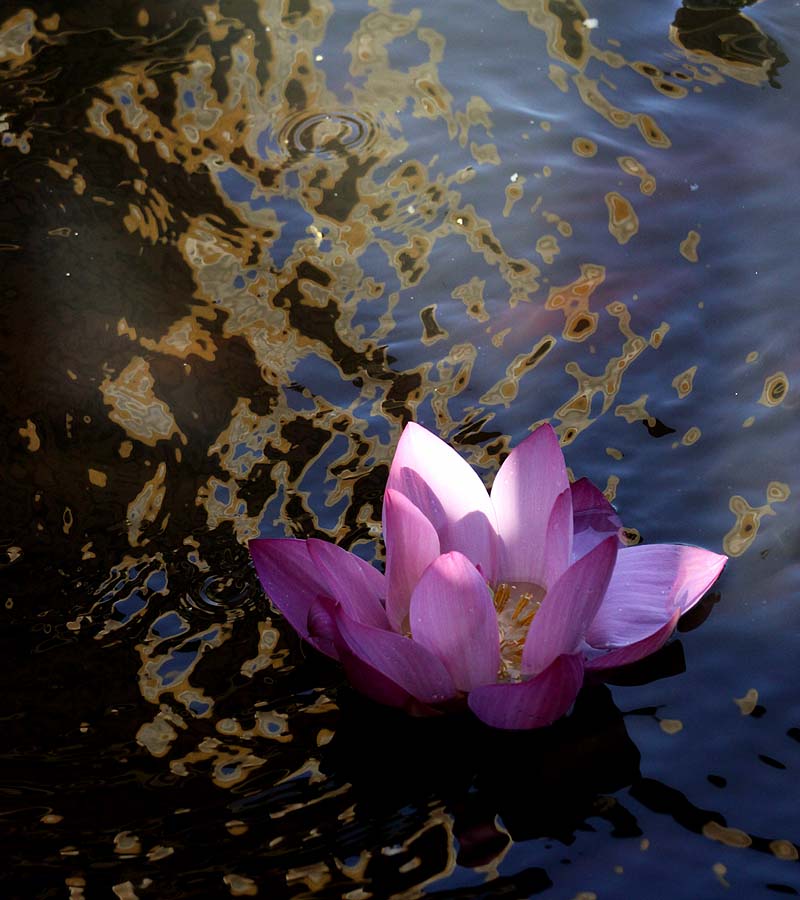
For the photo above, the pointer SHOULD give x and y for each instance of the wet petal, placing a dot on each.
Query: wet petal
(569, 608)
(403, 664)
(448, 492)
(650, 583)
(352, 582)
(530, 704)
(289, 578)
(558, 541)
(411, 546)
(453, 616)
(633, 652)
(523, 494)
(594, 518)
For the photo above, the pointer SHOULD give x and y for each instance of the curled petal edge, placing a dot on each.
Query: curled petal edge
(623, 656)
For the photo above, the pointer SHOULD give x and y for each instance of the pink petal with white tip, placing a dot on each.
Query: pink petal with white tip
(448, 492)
(523, 495)
(558, 542)
(411, 546)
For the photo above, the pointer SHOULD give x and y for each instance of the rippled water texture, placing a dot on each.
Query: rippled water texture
(241, 244)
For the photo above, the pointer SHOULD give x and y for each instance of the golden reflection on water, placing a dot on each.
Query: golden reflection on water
(256, 121)
(623, 222)
(747, 703)
(748, 518)
(775, 389)
(684, 382)
(689, 245)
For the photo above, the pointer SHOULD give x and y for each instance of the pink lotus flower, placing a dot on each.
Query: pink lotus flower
(504, 600)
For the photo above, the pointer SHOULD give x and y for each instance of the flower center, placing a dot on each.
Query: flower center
(516, 605)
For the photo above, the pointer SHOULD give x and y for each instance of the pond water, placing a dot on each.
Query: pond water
(241, 244)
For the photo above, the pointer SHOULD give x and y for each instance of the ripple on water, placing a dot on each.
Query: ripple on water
(222, 592)
(326, 134)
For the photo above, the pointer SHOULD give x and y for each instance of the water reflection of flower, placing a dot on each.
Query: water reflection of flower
(550, 781)
(716, 32)
(502, 600)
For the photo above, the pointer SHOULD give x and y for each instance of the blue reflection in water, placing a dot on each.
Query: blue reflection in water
(235, 185)
(295, 227)
(169, 625)
(157, 582)
(176, 665)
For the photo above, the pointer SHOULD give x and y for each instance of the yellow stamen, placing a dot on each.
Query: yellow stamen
(524, 600)
(501, 596)
(513, 623)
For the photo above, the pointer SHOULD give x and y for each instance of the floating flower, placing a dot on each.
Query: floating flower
(504, 600)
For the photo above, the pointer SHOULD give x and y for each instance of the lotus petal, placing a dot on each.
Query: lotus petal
(523, 494)
(400, 661)
(650, 583)
(370, 682)
(533, 703)
(411, 546)
(323, 632)
(452, 614)
(448, 492)
(594, 518)
(558, 542)
(426, 637)
(622, 656)
(569, 608)
(352, 582)
(291, 580)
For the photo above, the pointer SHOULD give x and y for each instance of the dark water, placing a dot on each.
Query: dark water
(240, 245)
